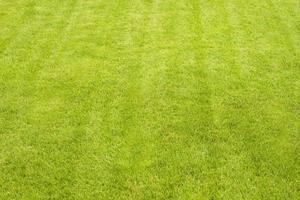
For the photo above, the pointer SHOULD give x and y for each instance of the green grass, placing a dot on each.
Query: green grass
(149, 99)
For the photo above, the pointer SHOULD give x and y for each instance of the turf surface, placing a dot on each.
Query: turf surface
(149, 99)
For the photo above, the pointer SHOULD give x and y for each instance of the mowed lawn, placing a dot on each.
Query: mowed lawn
(150, 99)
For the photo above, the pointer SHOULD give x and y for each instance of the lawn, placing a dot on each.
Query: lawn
(150, 99)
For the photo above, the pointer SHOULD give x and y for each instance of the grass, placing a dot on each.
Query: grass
(149, 99)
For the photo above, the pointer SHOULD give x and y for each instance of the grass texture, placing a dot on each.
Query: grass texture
(149, 99)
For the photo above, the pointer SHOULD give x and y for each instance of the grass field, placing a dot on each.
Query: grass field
(150, 99)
